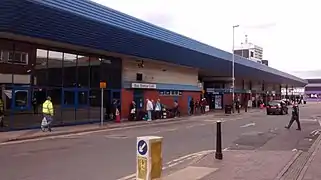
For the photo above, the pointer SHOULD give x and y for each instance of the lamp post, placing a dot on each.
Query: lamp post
(233, 75)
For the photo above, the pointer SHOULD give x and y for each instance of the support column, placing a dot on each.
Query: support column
(286, 92)
(264, 93)
(280, 89)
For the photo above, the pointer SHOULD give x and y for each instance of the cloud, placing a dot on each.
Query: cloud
(287, 30)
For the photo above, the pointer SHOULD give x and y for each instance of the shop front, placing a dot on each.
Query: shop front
(166, 93)
(148, 79)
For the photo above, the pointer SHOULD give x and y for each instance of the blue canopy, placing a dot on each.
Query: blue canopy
(88, 24)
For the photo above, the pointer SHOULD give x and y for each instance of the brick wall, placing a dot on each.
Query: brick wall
(126, 98)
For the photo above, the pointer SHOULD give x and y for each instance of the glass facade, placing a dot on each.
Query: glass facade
(29, 73)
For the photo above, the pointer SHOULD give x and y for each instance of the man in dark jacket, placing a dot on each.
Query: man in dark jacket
(191, 106)
(295, 117)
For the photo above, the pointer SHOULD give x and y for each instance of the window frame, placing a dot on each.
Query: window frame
(13, 61)
(1, 56)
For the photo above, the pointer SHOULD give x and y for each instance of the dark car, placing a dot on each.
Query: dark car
(276, 107)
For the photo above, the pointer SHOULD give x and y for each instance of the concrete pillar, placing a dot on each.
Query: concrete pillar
(286, 91)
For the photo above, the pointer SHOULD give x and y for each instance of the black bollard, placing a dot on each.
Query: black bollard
(218, 153)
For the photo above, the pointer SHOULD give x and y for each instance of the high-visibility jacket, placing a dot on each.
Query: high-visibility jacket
(47, 108)
(1, 105)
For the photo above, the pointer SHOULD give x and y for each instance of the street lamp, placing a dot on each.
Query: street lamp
(233, 75)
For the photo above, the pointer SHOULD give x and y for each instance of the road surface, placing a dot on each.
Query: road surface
(111, 155)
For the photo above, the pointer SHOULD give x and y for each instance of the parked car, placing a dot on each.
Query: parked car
(276, 107)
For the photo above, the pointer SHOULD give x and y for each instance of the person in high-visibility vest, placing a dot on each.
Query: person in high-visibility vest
(48, 112)
(1, 113)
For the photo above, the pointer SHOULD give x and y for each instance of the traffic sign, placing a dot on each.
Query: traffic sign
(142, 147)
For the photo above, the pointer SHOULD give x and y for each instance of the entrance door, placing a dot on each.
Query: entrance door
(139, 98)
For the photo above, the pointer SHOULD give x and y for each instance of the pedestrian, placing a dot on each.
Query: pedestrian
(149, 109)
(132, 115)
(191, 106)
(1, 113)
(197, 106)
(114, 108)
(153, 112)
(176, 109)
(48, 112)
(158, 109)
(203, 104)
(294, 117)
(35, 105)
(237, 105)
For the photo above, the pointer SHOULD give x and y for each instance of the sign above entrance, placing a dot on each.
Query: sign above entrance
(143, 86)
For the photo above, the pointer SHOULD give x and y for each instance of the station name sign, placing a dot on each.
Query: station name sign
(143, 86)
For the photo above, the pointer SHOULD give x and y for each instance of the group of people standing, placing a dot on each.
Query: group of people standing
(154, 110)
(197, 106)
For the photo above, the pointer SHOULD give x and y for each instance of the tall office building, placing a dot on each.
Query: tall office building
(250, 51)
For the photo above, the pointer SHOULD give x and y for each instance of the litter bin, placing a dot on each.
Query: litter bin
(228, 109)
(304, 102)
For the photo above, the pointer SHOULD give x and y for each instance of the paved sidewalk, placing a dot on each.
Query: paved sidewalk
(57, 131)
(237, 165)
(312, 169)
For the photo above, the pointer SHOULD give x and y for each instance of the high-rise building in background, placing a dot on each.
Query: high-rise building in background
(250, 51)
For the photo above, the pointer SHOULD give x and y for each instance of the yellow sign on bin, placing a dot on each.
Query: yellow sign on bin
(142, 167)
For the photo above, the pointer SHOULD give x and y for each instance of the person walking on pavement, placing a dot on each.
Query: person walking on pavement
(48, 112)
(1, 113)
(294, 117)
(149, 109)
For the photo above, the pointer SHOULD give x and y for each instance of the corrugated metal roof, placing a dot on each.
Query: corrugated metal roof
(89, 24)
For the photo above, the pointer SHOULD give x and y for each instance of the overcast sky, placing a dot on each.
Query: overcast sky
(289, 31)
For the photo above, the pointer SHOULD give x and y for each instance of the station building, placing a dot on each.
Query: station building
(64, 49)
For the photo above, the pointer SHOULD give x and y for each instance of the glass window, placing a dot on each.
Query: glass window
(21, 98)
(55, 68)
(70, 70)
(83, 71)
(1, 56)
(18, 57)
(69, 98)
(41, 73)
(83, 97)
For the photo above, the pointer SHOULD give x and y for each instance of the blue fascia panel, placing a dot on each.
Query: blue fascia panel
(85, 23)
